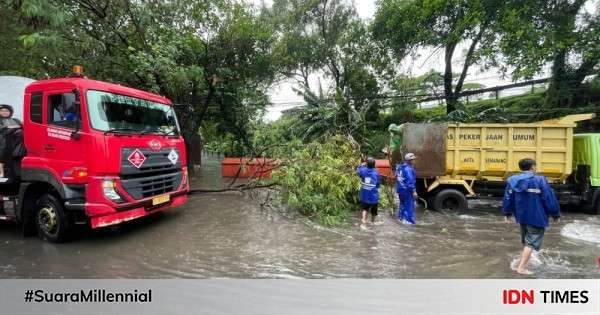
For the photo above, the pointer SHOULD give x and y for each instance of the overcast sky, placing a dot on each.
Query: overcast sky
(282, 94)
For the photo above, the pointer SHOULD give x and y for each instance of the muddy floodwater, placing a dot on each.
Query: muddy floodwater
(228, 235)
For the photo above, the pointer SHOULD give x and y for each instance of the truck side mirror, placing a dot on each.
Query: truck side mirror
(77, 103)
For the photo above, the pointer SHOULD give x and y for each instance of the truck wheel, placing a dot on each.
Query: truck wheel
(450, 199)
(51, 220)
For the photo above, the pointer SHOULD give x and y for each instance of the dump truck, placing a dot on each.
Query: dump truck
(97, 154)
(457, 161)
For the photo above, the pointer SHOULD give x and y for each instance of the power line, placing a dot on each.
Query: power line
(422, 98)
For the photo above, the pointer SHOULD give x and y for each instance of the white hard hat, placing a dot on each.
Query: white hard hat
(409, 156)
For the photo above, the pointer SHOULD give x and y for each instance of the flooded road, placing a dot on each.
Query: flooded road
(228, 235)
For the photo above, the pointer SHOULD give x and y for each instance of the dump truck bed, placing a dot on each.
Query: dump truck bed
(492, 151)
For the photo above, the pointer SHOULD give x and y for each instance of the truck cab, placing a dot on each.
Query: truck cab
(586, 165)
(97, 154)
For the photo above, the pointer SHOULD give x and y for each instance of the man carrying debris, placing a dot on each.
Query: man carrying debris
(406, 180)
(531, 199)
(394, 150)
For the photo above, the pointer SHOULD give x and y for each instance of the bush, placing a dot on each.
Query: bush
(425, 114)
(375, 143)
(319, 180)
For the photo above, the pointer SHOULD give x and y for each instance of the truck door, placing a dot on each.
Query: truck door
(63, 152)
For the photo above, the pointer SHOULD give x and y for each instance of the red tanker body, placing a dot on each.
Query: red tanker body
(97, 154)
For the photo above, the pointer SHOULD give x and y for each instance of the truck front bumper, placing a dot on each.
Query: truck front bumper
(102, 215)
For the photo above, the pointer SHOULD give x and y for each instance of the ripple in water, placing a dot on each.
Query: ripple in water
(544, 261)
(584, 231)
(467, 217)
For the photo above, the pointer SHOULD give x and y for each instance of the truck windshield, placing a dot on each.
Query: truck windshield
(114, 112)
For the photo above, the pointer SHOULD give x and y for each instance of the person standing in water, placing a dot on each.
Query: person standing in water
(369, 190)
(406, 180)
(531, 200)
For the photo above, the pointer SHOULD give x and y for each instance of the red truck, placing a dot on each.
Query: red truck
(97, 154)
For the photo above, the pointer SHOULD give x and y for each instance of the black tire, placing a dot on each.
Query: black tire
(449, 199)
(51, 220)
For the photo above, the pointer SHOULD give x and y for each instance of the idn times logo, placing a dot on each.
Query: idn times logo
(514, 296)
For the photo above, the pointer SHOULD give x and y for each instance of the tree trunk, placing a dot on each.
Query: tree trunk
(468, 61)
(190, 123)
(559, 94)
(449, 95)
(193, 147)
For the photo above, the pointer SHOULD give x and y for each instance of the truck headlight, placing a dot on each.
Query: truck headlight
(108, 187)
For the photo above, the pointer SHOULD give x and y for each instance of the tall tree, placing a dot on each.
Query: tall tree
(405, 25)
(326, 37)
(214, 55)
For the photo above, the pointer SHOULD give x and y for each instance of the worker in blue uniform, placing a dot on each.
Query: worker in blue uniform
(369, 189)
(406, 180)
(531, 200)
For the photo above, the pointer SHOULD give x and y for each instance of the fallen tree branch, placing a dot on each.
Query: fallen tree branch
(236, 188)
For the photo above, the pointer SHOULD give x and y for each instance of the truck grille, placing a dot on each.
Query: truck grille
(156, 176)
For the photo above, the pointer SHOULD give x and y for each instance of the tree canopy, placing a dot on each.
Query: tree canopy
(221, 58)
(408, 25)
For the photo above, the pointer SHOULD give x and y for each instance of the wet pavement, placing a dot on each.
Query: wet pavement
(228, 235)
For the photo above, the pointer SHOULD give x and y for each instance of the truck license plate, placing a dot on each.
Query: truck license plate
(160, 199)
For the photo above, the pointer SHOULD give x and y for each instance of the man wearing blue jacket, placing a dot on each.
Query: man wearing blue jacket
(369, 189)
(406, 180)
(531, 199)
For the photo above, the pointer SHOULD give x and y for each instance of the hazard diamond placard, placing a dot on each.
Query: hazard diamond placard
(136, 158)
